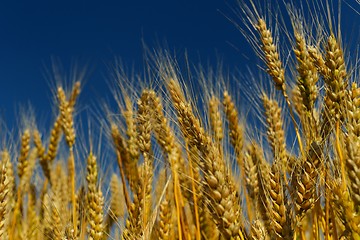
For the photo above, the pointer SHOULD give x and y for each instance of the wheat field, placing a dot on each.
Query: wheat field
(192, 164)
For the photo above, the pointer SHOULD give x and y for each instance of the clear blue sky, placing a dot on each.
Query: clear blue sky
(94, 32)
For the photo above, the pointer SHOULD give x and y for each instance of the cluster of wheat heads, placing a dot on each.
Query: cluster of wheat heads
(175, 178)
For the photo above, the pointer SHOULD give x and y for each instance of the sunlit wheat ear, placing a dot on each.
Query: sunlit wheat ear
(165, 137)
(223, 196)
(163, 132)
(6, 160)
(45, 165)
(236, 131)
(131, 132)
(96, 214)
(353, 109)
(66, 107)
(345, 208)
(39, 146)
(307, 78)
(191, 182)
(8, 193)
(251, 179)
(308, 75)
(330, 213)
(4, 199)
(164, 223)
(333, 70)
(56, 224)
(336, 82)
(260, 185)
(127, 147)
(275, 131)
(208, 227)
(61, 188)
(318, 60)
(236, 134)
(133, 226)
(95, 201)
(215, 119)
(71, 191)
(353, 144)
(181, 227)
(134, 222)
(127, 164)
(297, 102)
(144, 122)
(46, 158)
(46, 219)
(309, 120)
(24, 152)
(271, 55)
(55, 136)
(257, 231)
(128, 168)
(29, 170)
(307, 177)
(280, 215)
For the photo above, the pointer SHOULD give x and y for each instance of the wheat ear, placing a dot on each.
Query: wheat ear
(350, 219)
(4, 201)
(336, 84)
(32, 217)
(164, 223)
(275, 131)
(281, 218)
(215, 119)
(258, 231)
(131, 133)
(275, 68)
(236, 133)
(308, 75)
(307, 179)
(166, 139)
(306, 83)
(133, 226)
(353, 144)
(56, 225)
(95, 201)
(144, 125)
(261, 185)
(47, 158)
(123, 160)
(24, 152)
(222, 192)
(272, 58)
(66, 107)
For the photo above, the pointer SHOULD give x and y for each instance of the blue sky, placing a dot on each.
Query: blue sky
(94, 32)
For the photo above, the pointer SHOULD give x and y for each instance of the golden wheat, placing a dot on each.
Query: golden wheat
(201, 170)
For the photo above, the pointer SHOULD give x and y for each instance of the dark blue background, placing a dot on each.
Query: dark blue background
(94, 32)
